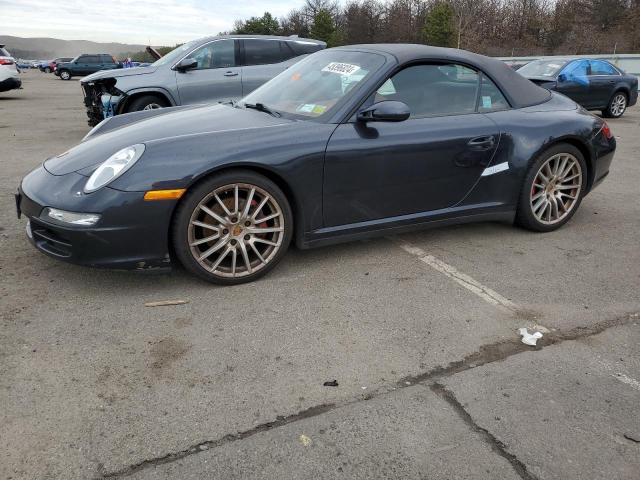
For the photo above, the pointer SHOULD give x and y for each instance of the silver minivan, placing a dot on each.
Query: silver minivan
(207, 70)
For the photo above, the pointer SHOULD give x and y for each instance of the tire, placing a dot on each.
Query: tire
(234, 250)
(617, 105)
(65, 75)
(541, 201)
(146, 102)
(47, 70)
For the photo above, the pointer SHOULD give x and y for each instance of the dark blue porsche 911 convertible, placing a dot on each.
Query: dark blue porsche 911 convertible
(348, 143)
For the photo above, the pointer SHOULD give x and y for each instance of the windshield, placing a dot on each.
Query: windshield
(315, 85)
(175, 54)
(542, 68)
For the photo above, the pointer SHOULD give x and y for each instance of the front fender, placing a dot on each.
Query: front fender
(154, 90)
(293, 152)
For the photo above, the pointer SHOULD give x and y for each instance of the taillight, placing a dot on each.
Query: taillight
(606, 131)
(6, 61)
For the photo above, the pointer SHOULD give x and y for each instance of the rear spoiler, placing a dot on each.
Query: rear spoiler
(153, 52)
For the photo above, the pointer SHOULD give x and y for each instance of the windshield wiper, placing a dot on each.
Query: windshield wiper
(261, 107)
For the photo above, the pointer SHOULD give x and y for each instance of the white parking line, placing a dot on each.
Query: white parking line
(621, 377)
(484, 292)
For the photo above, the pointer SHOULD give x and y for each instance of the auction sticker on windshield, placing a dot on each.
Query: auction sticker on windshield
(341, 68)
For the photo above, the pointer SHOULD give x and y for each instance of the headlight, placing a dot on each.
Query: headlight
(73, 218)
(116, 165)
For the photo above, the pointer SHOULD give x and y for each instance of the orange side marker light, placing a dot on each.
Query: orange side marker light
(164, 194)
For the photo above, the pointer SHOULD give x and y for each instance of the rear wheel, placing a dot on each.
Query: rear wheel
(617, 105)
(232, 228)
(146, 102)
(65, 74)
(47, 70)
(553, 189)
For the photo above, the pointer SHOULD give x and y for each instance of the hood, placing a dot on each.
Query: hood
(118, 73)
(207, 119)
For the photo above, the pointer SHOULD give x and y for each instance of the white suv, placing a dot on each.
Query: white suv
(9, 76)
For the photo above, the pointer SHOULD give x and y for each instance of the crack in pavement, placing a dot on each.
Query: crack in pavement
(496, 445)
(495, 352)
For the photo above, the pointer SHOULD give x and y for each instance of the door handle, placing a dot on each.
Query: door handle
(482, 143)
(231, 74)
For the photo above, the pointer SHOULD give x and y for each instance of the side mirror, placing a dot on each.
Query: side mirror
(187, 64)
(562, 77)
(386, 111)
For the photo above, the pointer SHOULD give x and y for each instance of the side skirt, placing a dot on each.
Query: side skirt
(407, 223)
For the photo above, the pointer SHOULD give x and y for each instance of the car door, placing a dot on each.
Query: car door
(602, 82)
(92, 64)
(107, 62)
(217, 76)
(379, 170)
(262, 60)
(81, 65)
(573, 81)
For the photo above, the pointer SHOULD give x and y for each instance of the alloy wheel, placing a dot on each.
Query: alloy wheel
(618, 105)
(236, 230)
(556, 188)
(152, 106)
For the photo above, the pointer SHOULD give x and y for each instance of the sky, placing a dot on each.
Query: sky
(155, 22)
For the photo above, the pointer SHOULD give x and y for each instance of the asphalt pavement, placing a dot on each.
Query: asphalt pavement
(419, 331)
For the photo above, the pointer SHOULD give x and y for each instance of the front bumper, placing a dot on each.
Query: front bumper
(10, 83)
(101, 101)
(131, 234)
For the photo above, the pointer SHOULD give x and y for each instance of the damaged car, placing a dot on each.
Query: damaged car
(349, 143)
(207, 70)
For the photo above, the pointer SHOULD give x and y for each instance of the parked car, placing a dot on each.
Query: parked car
(43, 66)
(86, 64)
(23, 64)
(350, 142)
(210, 69)
(594, 84)
(9, 74)
(53, 64)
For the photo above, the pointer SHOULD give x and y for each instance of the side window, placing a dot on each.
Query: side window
(431, 90)
(577, 71)
(491, 98)
(218, 54)
(602, 68)
(262, 52)
(107, 59)
(91, 59)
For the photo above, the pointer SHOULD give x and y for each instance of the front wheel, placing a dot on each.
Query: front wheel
(65, 75)
(146, 102)
(617, 105)
(553, 189)
(232, 228)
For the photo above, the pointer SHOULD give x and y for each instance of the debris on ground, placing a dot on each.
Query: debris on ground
(166, 303)
(529, 338)
(306, 441)
(332, 383)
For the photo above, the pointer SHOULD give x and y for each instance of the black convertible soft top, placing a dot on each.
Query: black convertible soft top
(520, 92)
